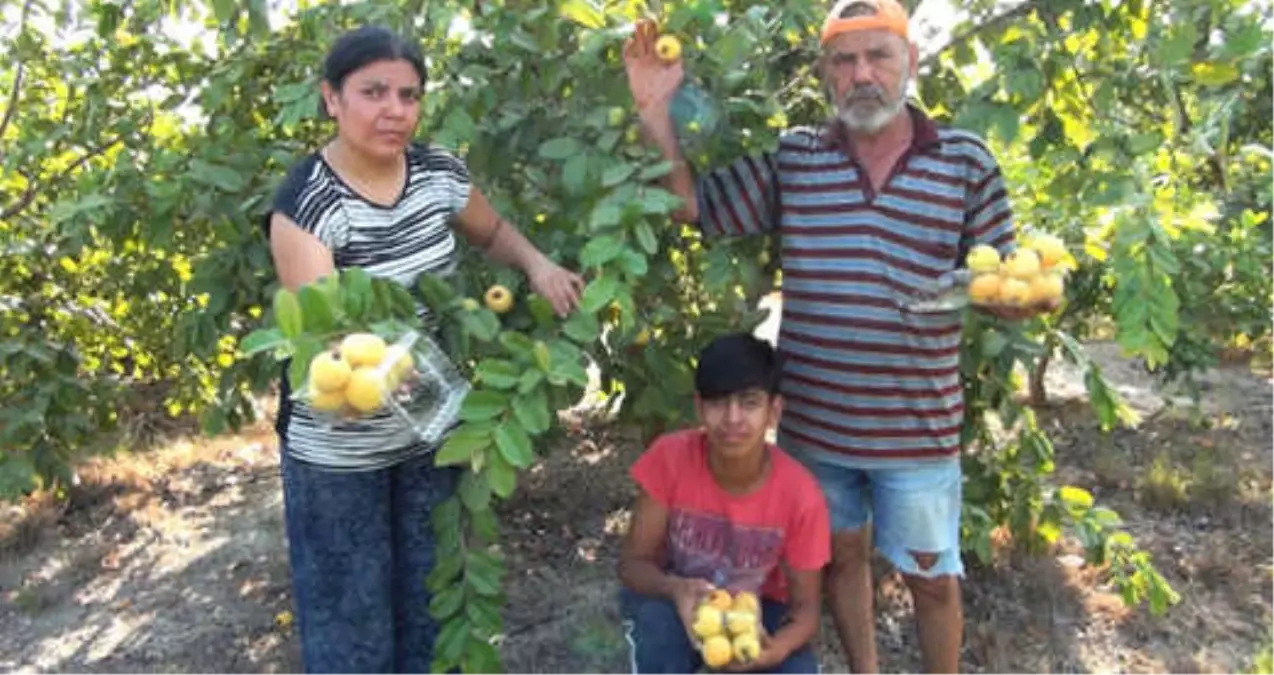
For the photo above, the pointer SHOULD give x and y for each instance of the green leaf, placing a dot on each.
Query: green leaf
(993, 344)
(498, 373)
(581, 327)
(452, 639)
(600, 250)
(482, 657)
(261, 340)
(482, 573)
(483, 404)
(475, 490)
(463, 443)
(646, 238)
(560, 148)
(502, 476)
(436, 293)
(519, 345)
(1179, 46)
(357, 292)
(616, 174)
(484, 614)
(542, 311)
(217, 176)
(575, 174)
(598, 294)
(655, 201)
(530, 380)
(304, 349)
(543, 359)
(447, 602)
(582, 13)
(658, 170)
(605, 214)
(532, 411)
(459, 127)
(17, 476)
(287, 313)
(317, 311)
(482, 324)
(633, 264)
(514, 444)
(445, 572)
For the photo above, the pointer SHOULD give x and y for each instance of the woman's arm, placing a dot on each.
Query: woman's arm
(502, 242)
(299, 257)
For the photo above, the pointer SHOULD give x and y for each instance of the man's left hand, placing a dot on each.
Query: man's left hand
(1020, 313)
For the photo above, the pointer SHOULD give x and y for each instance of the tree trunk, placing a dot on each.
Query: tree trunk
(1039, 393)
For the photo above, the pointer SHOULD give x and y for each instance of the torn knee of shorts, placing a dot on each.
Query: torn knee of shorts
(924, 560)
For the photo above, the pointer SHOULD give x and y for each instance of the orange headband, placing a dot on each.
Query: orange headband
(889, 16)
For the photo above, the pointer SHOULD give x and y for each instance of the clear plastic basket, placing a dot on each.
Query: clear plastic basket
(411, 378)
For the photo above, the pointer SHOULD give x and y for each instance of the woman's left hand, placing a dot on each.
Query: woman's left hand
(559, 286)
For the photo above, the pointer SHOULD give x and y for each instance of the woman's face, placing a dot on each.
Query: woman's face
(377, 107)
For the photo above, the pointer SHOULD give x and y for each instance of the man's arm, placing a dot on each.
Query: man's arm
(735, 200)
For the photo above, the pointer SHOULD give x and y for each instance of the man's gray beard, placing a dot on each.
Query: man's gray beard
(877, 120)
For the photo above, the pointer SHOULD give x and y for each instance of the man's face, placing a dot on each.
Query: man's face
(736, 424)
(866, 74)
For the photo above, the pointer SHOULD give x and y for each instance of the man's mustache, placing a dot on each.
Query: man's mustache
(872, 93)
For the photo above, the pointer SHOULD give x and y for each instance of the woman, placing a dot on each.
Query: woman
(357, 497)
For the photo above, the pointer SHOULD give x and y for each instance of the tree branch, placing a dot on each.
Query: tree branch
(994, 22)
(17, 77)
(13, 100)
(28, 195)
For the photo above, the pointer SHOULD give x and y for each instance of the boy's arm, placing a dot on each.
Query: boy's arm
(805, 597)
(639, 562)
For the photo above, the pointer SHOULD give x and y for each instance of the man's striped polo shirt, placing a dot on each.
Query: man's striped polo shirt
(866, 383)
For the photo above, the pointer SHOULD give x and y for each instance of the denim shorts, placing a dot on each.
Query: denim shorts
(911, 509)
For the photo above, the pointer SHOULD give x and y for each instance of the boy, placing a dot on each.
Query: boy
(721, 508)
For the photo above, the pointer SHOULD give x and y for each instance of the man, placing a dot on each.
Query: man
(873, 206)
(721, 508)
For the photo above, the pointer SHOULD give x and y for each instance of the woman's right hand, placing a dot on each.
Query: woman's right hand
(651, 81)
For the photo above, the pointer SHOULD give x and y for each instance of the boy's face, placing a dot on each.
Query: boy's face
(736, 424)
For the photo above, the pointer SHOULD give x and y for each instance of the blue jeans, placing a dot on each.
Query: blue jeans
(659, 644)
(361, 545)
(911, 510)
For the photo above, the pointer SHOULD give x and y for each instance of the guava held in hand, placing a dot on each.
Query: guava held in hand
(348, 379)
(668, 48)
(1031, 276)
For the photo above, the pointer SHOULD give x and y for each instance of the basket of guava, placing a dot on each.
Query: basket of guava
(357, 349)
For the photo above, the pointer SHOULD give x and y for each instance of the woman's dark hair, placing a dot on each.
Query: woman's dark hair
(365, 45)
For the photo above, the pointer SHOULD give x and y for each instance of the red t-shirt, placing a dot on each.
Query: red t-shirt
(739, 542)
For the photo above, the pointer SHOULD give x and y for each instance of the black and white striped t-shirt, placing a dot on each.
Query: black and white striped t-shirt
(398, 242)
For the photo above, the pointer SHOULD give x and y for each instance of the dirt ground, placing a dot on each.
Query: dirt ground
(175, 560)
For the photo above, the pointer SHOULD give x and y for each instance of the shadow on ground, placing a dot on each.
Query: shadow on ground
(185, 573)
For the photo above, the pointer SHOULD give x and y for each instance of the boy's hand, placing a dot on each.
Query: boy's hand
(772, 655)
(686, 594)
